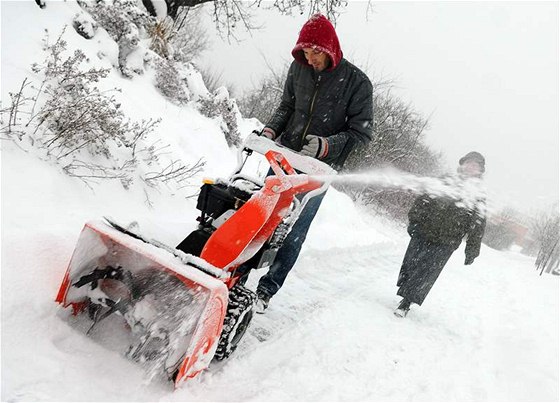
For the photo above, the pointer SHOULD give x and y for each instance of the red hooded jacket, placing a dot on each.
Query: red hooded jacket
(318, 33)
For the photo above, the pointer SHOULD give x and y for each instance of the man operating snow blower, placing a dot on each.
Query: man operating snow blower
(325, 111)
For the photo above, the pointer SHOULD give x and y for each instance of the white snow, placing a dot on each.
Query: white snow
(487, 332)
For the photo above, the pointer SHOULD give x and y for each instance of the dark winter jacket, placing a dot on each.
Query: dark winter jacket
(445, 220)
(336, 103)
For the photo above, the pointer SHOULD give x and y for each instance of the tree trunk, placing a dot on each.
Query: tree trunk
(173, 5)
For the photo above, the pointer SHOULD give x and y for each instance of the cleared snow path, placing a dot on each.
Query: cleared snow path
(328, 339)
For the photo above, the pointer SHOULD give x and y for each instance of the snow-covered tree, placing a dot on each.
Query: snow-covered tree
(500, 229)
(227, 14)
(546, 230)
(257, 102)
(398, 141)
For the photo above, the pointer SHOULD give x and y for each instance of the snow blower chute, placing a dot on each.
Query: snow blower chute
(179, 308)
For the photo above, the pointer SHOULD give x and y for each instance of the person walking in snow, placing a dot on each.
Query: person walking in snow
(437, 225)
(325, 111)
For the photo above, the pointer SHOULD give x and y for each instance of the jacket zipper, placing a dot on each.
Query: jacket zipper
(311, 110)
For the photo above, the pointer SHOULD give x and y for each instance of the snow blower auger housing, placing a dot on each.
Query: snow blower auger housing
(181, 307)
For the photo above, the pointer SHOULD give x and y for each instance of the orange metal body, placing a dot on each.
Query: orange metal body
(244, 234)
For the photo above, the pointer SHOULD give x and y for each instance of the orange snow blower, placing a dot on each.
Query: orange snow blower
(179, 308)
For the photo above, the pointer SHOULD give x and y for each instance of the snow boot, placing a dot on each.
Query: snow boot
(403, 308)
(262, 302)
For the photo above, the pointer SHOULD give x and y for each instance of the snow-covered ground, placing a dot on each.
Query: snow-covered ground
(487, 332)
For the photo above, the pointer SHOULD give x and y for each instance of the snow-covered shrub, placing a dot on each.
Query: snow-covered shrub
(160, 33)
(499, 234)
(76, 114)
(262, 100)
(70, 121)
(170, 82)
(67, 120)
(84, 25)
(126, 23)
(12, 117)
(223, 107)
(175, 172)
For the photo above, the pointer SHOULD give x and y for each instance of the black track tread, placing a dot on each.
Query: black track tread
(239, 297)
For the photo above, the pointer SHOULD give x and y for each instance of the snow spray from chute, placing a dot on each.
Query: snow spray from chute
(467, 192)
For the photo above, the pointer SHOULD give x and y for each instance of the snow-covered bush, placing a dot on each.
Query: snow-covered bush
(126, 23)
(263, 99)
(68, 120)
(223, 107)
(76, 114)
(501, 231)
(84, 25)
(160, 33)
(71, 122)
(170, 82)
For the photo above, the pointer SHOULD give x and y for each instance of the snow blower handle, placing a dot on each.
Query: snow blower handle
(305, 183)
(301, 163)
(288, 179)
(279, 163)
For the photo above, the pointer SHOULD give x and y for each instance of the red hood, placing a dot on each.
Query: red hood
(318, 33)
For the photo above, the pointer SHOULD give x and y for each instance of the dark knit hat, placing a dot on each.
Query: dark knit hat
(473, 156)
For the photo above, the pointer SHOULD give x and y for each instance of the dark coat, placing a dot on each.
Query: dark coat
(422, 264)
(335, 104)
(443, 220)
(437, 225)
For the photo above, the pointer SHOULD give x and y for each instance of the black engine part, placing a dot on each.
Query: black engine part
(216, 198)
(195, 241)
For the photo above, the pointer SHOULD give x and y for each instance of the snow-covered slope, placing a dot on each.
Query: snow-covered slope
(489, 331)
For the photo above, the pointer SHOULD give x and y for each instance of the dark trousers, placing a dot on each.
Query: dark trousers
(288, 253)
(423, 262)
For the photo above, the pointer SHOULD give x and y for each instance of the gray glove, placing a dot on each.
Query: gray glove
(469, 260)
(315, 146)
